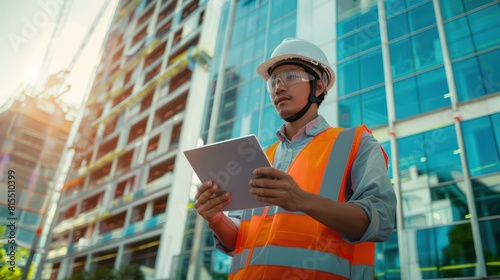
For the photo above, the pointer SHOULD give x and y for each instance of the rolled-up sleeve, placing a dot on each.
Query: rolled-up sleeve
(218, 245)
(372, 190)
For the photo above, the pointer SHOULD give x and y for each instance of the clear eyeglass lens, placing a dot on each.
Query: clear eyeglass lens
(288, 78)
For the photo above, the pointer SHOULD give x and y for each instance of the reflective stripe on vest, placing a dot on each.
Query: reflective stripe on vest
(336, 166)
(291, 256)
(272, 241)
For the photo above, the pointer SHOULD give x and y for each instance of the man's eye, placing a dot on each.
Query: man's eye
(292, 77)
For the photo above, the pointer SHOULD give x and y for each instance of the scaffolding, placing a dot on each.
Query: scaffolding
(178, 63)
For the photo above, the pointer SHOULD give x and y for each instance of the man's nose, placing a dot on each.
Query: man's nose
(280, 86)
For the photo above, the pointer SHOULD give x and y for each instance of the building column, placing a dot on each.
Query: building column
(476, 232)
(119, 257)
(391, 113)
(176, 212)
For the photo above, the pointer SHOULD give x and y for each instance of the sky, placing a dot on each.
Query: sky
(25, 32)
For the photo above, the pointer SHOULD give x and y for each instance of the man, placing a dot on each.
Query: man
(329, 186)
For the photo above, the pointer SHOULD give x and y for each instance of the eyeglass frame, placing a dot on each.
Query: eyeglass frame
(303, 76)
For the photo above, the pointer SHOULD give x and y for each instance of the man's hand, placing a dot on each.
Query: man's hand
(276, 187)
(208, 204)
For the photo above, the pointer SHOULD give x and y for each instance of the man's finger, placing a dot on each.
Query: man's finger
(264, 183)
(269, 172)
(204, 187)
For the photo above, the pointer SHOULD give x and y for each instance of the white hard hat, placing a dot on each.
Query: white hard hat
(295, 48)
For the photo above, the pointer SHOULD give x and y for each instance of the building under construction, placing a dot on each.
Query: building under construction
(33, 132)
(118, 205)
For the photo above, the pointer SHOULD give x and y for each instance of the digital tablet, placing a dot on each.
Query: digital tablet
(230, 164)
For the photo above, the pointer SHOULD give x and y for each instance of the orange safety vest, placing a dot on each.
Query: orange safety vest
(273, 243)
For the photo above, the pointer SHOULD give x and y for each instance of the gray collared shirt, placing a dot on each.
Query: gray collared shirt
(371, 188)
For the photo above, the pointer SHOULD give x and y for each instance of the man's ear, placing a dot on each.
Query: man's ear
(320, 87)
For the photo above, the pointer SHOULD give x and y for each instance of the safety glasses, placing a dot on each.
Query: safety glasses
(288, 78)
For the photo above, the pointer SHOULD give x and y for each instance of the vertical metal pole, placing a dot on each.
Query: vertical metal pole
(198, 230)
(391, 113)
(476, 233)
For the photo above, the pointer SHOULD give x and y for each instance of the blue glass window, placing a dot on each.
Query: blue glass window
(442, 154)
(401, 58)
(394, 6)
(262, 18)
(274, 37)
(352, 17)
(387, 262)
(348, 77)
(470, 5)
(289, 27)
(467, 79)
(406, 98)
(446, 204)
(347, 25)
(369, 108)
(245, 73)
(369, 17)
(485, 27)
(26, 236)
(421, 17)
(238, 32)
(476, 77)
(451, 8)
(374, 107)
(358, 42)
(434, 152)
(482, 151)
(249, 51)
(255, 123)
(490, 70)
(490, 232)
(486, 194)
(279, 8)
(4, 212)
(235, 55)
(495, 120)
(368, 38)
(236, 128)
(346, 47)
(270, 123)
(432, 90)
(30, 218)
(426, 248)
(459, 38)
(411, 154)
(248, 100)
(371, 69)
(426, 49)
(445, 252)
(350, 111)
(411, 3)
(398, 26)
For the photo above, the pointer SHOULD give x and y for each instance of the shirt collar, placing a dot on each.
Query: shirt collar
(311, 129)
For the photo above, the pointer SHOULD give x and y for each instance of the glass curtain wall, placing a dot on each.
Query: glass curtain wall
(259, 26)
(435, 182)
(245, 105)
(436, 213)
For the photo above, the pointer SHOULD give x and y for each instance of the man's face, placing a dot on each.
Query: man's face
(288, 100)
